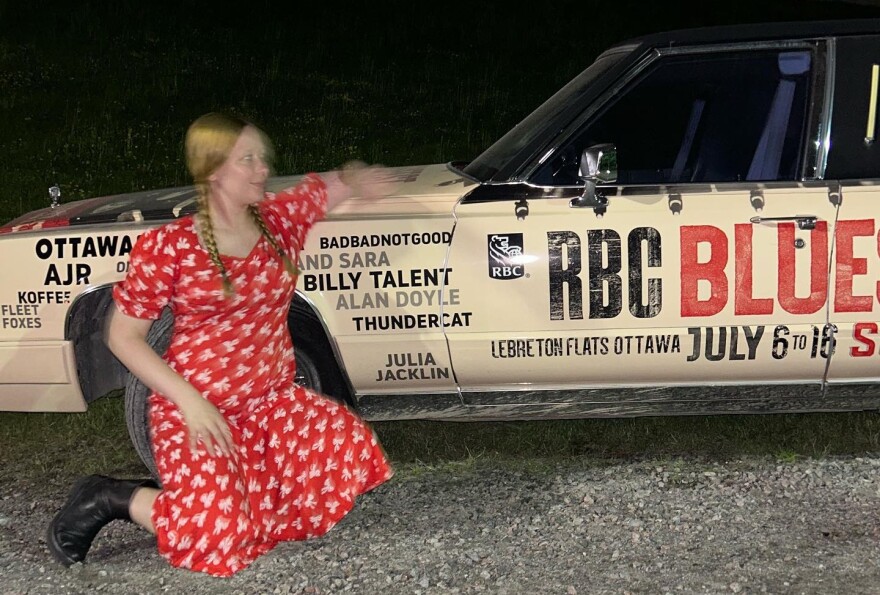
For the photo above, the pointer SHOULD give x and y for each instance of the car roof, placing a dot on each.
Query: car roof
(752, 32)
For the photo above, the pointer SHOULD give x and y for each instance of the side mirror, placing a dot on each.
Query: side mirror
(598, 165)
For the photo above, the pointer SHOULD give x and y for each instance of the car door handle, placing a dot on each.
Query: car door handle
(803, 221)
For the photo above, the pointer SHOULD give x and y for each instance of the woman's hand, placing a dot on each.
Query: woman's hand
(358, 179)
(367, 181)
(205, 424)
(126, 337)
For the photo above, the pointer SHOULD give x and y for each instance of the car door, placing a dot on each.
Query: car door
(854, 161)
(706, 263)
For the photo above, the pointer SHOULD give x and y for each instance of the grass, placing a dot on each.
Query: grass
(96, 98)
(785, 437)
(65, 445)
(41, 445)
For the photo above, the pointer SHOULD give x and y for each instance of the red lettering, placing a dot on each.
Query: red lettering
(878, 252)
(743, 302)
(848, 266)
(859, 331)
(712, 271)
(818, 269)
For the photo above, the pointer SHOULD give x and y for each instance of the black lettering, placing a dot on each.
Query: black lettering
(52, 276)
(43, 297)
(559, 276)
(638, 306)
(752, 340)
(44, 249)
(735, 355)
(125, 247)
(710, 343)
(695, 333)
(602, 242)
(83, 272)
(89, 248)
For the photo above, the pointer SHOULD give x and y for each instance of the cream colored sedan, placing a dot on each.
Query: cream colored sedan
(690, 225)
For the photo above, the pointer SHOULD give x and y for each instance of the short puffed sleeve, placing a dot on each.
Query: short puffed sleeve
(292, 212)
(152, 269)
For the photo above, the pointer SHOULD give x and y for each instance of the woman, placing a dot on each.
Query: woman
(246, 457)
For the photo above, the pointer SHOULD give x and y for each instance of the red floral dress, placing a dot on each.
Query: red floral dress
(301, 457)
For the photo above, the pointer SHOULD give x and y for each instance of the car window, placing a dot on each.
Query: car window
(733, 116)
(505, 150)
(853, 150)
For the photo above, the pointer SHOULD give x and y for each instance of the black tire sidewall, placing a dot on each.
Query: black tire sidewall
(311, 351)
(137, 394)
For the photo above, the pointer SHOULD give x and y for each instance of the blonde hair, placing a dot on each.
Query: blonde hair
(209, 141)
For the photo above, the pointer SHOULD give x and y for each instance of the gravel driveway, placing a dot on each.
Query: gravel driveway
(679, 526)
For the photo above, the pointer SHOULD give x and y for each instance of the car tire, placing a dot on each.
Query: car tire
(316, 368)
(137, 393)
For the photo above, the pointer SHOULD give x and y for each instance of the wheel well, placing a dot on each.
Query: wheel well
(309, 327)
(98, 370)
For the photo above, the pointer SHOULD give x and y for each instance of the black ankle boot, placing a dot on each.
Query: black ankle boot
(94, 501)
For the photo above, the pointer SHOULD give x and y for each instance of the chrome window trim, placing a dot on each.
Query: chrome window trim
(809, 165)
(652, 56)
(824, 134)
(748, 46)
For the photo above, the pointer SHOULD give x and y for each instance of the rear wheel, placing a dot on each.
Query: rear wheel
(316, 368)
(136, 395)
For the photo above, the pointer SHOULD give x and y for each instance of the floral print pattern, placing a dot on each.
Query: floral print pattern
(301, 458)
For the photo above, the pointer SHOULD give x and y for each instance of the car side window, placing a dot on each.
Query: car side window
(852, 155)
(722, 117)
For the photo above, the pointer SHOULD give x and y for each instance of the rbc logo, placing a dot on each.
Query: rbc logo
(505, 256)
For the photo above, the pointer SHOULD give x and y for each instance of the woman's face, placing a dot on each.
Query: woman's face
(241, 180)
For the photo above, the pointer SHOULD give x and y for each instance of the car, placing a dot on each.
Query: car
(688, 226)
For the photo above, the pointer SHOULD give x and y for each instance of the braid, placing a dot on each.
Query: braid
(261, 223)
(207, 231)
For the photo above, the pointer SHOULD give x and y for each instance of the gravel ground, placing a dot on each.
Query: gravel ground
(679, 526)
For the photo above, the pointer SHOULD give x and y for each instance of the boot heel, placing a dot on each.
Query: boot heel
(94, 501)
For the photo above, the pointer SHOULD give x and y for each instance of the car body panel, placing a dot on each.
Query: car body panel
(855, 311)
(598, 317)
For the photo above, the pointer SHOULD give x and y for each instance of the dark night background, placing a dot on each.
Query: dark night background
(96, 95)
